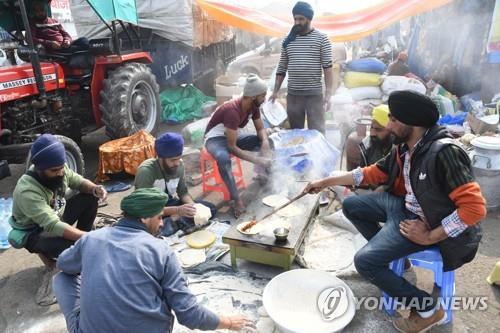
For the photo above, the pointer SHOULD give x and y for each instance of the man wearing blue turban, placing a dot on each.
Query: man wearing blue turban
(166, 172)
(42, 219)
(306, 54)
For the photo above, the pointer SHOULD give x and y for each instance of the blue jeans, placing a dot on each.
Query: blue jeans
(67, 291)
(217, 147)
(170, 227)
(385, 244)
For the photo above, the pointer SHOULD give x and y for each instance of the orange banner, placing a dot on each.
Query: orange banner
(340, 28)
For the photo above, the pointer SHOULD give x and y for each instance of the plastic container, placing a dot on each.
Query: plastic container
(5, 228)
(486, 168)
(274, 113)
(300, 301)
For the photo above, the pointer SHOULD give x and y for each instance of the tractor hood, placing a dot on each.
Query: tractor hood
(17, 82)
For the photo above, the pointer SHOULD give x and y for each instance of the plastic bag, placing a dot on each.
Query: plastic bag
(361, 93)
(444, 105)
(396, 83)
(193, 133)
(304, 151)
(360, 79)
(342, 96)
(367, 65)
(183, 103)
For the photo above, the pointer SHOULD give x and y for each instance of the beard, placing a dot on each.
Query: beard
(53, 183)
(403, 137)
(300, 29)
(376, 141)
(256, 103)
(168, 170)
(153, 232)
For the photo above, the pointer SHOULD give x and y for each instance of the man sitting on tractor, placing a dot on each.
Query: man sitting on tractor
(50, 33)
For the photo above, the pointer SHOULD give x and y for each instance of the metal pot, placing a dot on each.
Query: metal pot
(281, 234)
(486, 153)
(486, 168)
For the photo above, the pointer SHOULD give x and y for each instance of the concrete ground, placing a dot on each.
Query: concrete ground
(20, 274)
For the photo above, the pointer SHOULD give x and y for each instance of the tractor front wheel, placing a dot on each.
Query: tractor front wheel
(130, 101)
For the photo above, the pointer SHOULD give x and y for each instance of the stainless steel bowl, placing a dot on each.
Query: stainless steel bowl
(281, 234)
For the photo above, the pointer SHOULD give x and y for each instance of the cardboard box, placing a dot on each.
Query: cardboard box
(479, 126)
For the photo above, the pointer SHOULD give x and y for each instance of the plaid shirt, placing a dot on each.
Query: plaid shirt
(456, 173)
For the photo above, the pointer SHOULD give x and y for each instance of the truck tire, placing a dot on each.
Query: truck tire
(74, 156)
(130, 101)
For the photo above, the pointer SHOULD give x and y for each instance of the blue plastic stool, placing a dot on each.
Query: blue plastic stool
(428, 259)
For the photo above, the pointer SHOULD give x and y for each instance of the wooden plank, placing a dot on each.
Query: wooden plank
(261, 249)
(296, 236)
(260, 256)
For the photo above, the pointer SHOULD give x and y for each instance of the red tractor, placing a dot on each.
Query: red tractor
(108, 83)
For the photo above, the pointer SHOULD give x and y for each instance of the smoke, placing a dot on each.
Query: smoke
(297, 165)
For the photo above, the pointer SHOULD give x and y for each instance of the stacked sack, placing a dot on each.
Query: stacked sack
(364, 77)
(395, 83)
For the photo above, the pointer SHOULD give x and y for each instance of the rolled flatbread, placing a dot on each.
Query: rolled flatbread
(289, 211)
(275, 200)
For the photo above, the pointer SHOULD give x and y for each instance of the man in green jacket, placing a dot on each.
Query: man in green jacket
(42, 219)
(166, 172)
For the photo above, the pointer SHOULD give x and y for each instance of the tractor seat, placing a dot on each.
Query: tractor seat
(65, 53)
(76, 59)
(81, 80)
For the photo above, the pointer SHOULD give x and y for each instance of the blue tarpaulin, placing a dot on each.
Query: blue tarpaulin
(305, 151)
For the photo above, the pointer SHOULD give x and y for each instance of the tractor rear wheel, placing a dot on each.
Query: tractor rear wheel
(74, 156)
(130, 101)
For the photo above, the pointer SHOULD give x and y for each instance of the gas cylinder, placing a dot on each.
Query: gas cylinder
(353, 153)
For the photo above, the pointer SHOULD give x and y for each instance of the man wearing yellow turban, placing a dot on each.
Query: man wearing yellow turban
(379, 143)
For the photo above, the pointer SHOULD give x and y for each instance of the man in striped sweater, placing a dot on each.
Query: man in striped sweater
(305, 54)
(432, 200)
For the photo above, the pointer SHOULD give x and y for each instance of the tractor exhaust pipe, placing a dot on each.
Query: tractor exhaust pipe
(35, 60)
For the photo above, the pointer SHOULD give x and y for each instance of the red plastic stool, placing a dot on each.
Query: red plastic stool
(210, 176)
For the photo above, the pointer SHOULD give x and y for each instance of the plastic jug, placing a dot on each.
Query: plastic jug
(5, 212)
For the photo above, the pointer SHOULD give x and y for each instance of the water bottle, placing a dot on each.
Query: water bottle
(5, 212)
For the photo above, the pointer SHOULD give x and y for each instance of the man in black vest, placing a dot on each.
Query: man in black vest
(431, 200)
